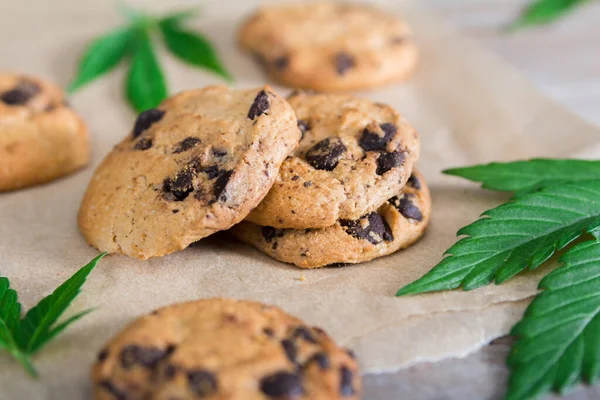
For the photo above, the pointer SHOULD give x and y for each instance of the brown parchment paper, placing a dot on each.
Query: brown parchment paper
(468, 106)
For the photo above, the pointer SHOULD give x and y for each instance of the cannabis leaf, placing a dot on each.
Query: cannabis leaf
(146, 85)
(528, 176)
(559, 336)
(24, 337)
(542, 12)
(522, 233)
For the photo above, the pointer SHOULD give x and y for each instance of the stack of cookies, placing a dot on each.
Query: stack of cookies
(348, 193)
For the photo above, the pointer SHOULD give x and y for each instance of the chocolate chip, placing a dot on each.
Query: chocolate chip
(338, 265)
(21, 94)
(119, 394)
(387, 161)
(370, 141)
(219, 152)
(221, 184)
(407, 207)
(346, 387)
(295, 178)
(269, 332)
(304, 333)
(281, 63)
(322, 359)
(103, 355)
(290, 349)
(414, 182)
(143, 144)
(268, 233)
(343, 62)
(260, 105)
(307, 184)
(171, 371)
(211, 171)
(303, 125)
(350, 352)
(282, 384)
(146, 119)
(186, 144)
(147, 357)
(326, 154)
(175, 211)
(371, 227)
(202, 382)
(178, 187)
(275, 245)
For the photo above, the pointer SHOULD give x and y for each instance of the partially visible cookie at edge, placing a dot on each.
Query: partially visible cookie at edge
(224, 349)
(330, 46)
(396, 225)
(41, 137)
(354, 155)
(195, 165)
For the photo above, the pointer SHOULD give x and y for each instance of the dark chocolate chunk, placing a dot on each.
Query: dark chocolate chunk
(303, 127)
(269, 233)
(307, 184)
(343, 62)
(21, 94)
(269, 332)
(346, 377)
(291, 351)
(219, 152)
(211, 171)
(375, 229)
(304, 333)
(146, 119)
(186, 144)
(322, 359)
(119, 394)
(326, 154)
(387, 161)
(370, 141)
(221, 184)
(282, 63)
(260, 105)
(275, 245)
(338, 265)
(406, 206)
(147, 357)
(202, 382)
(180, 185)
(282, 384)
(143, 144)
(414, 182)
(295, 178)
(103, 355)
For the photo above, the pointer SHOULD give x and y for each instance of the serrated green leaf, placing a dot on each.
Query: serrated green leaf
(559, 336)
(520, 234)
(36, 328)
(542, 12)
(102, 55)
(145, 86)
(528, 176)
(10, 314)
(192, 48)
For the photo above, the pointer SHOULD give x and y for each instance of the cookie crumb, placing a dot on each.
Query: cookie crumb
(302, 278)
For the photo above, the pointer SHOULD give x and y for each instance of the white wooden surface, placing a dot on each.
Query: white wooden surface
(564, 61)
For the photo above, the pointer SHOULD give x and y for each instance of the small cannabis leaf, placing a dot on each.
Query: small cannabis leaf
(527, 176)
(146, 85)
(559, 336)
(541, 12)
(24, 337)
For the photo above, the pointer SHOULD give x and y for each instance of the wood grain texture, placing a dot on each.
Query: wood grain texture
(563, 60)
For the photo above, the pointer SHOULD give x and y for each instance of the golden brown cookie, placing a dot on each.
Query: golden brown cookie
(396, 225)
(224, 349)
(41, 138)
(330, 46)
(194, 166)
(353, 156)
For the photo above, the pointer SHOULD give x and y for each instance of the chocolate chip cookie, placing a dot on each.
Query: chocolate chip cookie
(224, 349)
(330, 46)
(397, 224)
(41, 138)
(193, 166)
(353, 156)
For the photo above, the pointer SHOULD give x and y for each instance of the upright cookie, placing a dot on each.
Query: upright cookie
(397, 224)
(41, 138)
(194, 166)
(224, 349)
(353, 156)
(329, 46)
